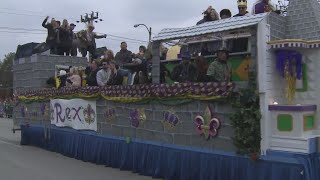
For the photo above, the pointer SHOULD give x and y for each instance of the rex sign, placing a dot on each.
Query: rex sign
(75, 113)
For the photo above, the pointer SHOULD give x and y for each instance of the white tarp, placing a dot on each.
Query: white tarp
(75, 113)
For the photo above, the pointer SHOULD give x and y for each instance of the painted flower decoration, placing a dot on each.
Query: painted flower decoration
(207, 125)
(170, 119)
(89, 114)
(138, 117)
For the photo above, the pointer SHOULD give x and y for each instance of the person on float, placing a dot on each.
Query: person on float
(87, 41)
(220, 70)
(74, 79)
(209, 15)
(262, 6)
(242, 7)
(185, 71)
(92, 75)
(124, 58)
(51, 39)
(225, 13)
(73, 37)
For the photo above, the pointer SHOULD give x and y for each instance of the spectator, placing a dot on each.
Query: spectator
(2, 114)
(103, 75)
(140, 56)
(87, 41)
(73, 37)
(123, 57)
(51, 39)
(262, 6)
(242, 7)
(209, 15)
(115, 77)
(205, 51)
(74, 79)
(109, 75)
(92, 75)
(163, 55)
(202, 67)
(225, 13)
(186, 71)
(64, 39)
(108, 56)
(220, 70)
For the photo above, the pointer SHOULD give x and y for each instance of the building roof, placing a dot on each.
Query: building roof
(210, 27)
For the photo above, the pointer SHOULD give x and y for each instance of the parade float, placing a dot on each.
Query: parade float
(262, 125)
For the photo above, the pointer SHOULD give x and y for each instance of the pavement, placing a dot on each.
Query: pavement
(26, 162)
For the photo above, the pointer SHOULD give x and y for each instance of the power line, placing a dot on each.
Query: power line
(27, 29)
(11, 9)
(24, 29)
(126, 38)
(21, 14)
(38, 33)
(122, 40)
(21, 32)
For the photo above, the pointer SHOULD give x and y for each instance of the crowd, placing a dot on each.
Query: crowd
(62, 40)
(6, 108)
(261, 6)
(127, 68)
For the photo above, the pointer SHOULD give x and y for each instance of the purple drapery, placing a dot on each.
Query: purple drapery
(294, 59)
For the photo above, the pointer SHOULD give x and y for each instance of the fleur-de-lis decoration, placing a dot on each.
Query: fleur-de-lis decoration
(24, 111)
(89, 114)
(207, 125)
(110, 114)
(51, 113)
(138, 117)
(170, 119)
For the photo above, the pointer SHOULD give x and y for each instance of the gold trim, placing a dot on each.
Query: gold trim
(292, 40)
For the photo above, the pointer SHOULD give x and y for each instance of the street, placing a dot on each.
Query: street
(25, 162)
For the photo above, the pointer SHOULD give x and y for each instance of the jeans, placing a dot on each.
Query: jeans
(126, 72)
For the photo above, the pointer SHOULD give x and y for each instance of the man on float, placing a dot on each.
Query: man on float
(262, 6)
(242, 6)
(219, 70)
(225, 13)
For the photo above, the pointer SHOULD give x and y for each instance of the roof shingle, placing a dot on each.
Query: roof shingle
(210, 27)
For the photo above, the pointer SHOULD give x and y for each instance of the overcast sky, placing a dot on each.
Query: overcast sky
(119, 17)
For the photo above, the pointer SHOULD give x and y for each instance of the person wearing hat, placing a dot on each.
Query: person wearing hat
(242, 6)
(185, 71)
(73, 37)
(87, 41)
(220, 70)
(225, 13)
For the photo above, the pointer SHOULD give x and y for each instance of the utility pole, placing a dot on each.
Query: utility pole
(282, 7)
(90, 18)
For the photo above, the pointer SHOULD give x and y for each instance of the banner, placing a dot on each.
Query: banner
(75, 113)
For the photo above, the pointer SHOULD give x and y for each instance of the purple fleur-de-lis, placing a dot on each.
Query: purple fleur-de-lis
(135, 118)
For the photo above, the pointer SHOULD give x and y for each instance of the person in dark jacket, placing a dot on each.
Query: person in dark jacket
(51, 39)
(115, 77)
(92, 75)
(73, 37)
(123, 57)
(65, 41)
(185, 71)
